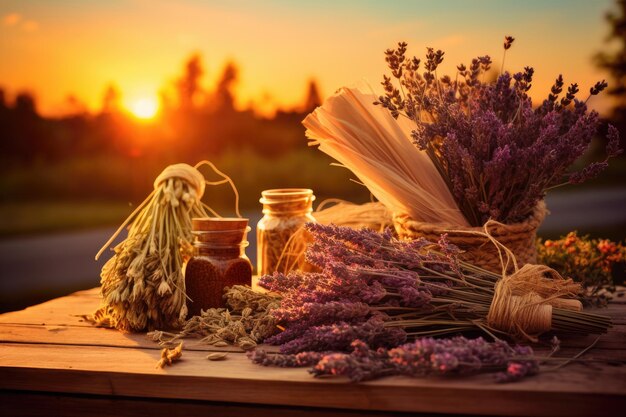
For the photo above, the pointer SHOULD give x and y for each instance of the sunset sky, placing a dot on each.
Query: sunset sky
(78, 47)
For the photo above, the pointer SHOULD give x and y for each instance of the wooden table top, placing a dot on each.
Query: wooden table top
(52, 360)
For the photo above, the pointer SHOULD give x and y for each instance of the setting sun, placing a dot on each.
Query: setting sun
(144, 108)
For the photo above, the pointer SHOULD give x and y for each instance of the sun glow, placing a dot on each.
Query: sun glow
(144, 108)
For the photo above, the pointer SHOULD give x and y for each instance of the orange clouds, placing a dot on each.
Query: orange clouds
(16, 20)
(11, 19)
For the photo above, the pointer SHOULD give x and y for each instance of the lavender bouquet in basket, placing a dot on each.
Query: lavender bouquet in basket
(497, 154)
(454, 154)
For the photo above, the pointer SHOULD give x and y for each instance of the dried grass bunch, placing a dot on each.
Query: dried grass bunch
(142, 284)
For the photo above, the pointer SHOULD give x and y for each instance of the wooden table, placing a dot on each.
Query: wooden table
(53, 363)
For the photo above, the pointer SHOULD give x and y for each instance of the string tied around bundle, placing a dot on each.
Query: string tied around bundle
(192, 176)
(186, 172)
(523, 300)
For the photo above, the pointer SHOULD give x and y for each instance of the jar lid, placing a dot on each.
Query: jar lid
(206, 224)
(281, 195)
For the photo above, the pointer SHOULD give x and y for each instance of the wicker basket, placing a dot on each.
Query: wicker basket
(478, 250)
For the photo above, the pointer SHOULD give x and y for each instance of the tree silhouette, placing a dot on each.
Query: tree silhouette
(23, 136)
(224, 96)
(188, 85)
(111, 100)
(313, 98)
(74, 106)
(615, 64)
(25, 104)
(3, 100)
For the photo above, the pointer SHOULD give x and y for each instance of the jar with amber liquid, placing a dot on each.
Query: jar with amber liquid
(219, 261)
(280, 234)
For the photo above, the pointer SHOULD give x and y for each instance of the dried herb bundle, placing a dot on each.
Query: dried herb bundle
(382, 291)
(497, 155)
(373, 215)
(245, 322)
(378, 150)
(142, 284)
(423, 357)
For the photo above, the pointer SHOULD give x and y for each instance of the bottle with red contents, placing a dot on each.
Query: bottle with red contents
(219, 261)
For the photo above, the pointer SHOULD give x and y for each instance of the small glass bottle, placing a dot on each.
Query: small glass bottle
(285, 212)
(219, 261)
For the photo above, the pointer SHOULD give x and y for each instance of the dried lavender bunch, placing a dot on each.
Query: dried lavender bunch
(373, 281)
(497, 154)
(420, 358)
(339, 336)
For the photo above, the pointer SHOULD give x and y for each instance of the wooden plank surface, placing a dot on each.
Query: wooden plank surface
(47, 348)
(46, 404)
(64, 311)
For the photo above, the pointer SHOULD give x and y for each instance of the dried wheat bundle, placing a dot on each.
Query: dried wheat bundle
(143, 286)
(377, 149)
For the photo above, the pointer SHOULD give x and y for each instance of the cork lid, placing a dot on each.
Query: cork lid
(208, 224)
(280, 195)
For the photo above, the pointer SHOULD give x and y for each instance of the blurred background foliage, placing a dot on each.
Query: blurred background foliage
(89, 169)
(86, 169)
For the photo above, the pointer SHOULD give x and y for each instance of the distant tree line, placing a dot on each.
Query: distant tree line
(615, 63)
(192, 125)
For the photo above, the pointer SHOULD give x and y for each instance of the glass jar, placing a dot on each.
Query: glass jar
(281, 239)
(219, 260)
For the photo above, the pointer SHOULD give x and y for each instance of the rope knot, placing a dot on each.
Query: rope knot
(523, 301)
(186, 172)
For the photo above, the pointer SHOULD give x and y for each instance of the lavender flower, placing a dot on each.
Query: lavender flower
(518, 370)
(497, 154)
(261, 357)
(412, 297)
(339, 336)
(421, 358)
(316, 313)
(384, 291)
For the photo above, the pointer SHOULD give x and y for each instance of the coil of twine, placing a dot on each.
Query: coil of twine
(523, 299)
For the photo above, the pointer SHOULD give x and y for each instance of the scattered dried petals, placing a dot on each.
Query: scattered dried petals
(217, 356)
(168, 356)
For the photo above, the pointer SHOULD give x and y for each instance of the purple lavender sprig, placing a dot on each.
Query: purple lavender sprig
(261, 357)
(497, 154)
(421, 358)
(339, 337)
(406, 289)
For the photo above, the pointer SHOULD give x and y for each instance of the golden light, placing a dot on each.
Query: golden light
(144, 108)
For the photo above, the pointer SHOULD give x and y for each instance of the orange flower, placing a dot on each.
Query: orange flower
(570, 239)
(606, 246)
